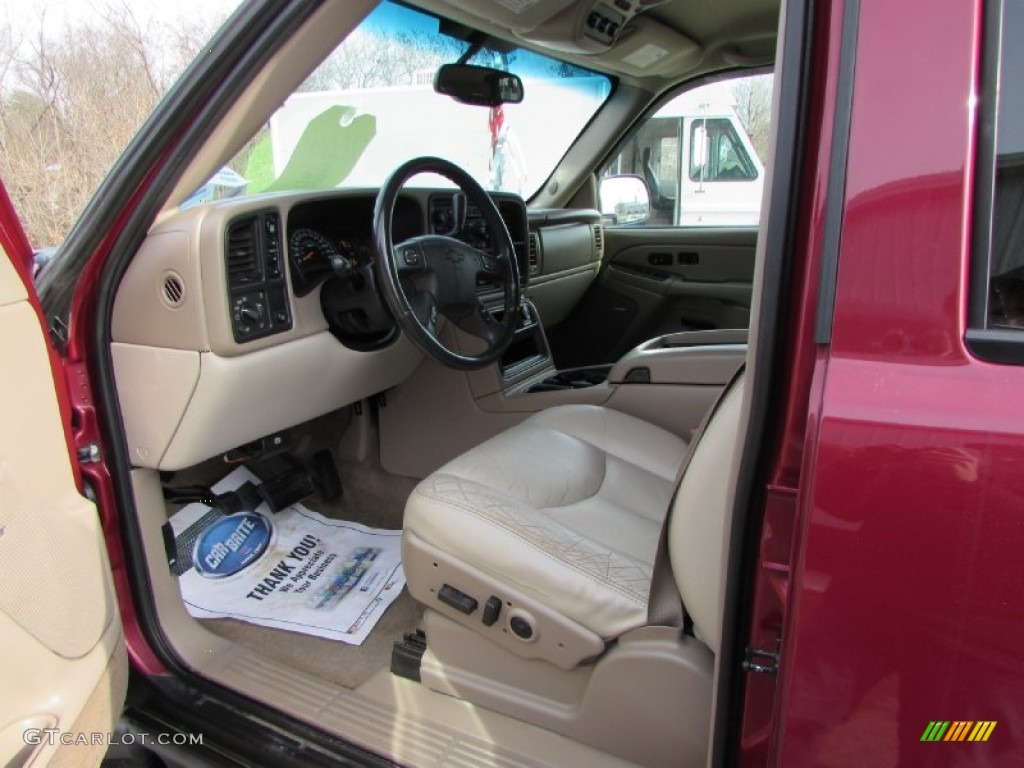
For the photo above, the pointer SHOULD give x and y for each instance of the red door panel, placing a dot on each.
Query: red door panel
(908, 589)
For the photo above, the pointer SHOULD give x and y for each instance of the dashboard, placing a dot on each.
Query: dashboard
(242, 318)
(327, 244)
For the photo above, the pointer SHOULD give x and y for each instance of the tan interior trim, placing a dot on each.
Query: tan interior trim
(154, 387)
(557, 295)
(396, 718)
(438, 402)
(678, 408)
(62, 655)
(558, 640)
(646, 700)
(239, 399)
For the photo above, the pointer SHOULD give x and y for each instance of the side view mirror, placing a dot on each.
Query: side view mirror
(626, 199)
(478, 86)
(700, 146)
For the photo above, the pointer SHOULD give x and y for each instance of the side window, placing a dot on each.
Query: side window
(697, 161)
(997, 310)
(718, 154)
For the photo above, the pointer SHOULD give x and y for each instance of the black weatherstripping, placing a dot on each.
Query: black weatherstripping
(765, 381)
(167, 705)
(836, 193)
(997, 345)
(150, 167)
(984, 339)
(985, 177)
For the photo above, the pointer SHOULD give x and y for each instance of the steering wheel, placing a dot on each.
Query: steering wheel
(425, 277)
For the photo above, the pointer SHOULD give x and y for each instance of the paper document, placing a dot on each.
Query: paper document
(295, 569)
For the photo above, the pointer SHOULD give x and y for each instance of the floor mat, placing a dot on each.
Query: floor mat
(371, 496)
(295, 570)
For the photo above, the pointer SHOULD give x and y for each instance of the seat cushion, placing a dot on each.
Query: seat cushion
(567, 507)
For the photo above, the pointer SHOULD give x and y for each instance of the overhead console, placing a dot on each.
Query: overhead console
(606, 18)
(617, 32)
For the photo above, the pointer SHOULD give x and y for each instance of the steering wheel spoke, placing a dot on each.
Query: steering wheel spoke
(424, 308)
(428, 275)
(479, 321)
(411, 258)
(490, 266)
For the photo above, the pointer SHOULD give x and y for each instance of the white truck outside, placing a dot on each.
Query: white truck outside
(698, 162)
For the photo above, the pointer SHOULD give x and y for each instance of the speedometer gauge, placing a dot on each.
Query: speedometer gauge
(309, 254)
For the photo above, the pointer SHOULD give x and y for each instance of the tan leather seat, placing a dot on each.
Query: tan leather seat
(565, 508)
(535, 549)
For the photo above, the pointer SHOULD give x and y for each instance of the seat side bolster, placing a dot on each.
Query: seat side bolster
(700, 519)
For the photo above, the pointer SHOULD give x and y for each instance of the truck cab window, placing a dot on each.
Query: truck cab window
(1006, 308)
(997, 305)
(700, 155)
(718, 154)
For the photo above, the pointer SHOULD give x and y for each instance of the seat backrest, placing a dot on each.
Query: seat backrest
(700, 518)
(650, 176)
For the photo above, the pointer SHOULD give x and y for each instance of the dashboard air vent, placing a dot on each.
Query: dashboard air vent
(534, 259)
(599, 241)
(243, 264)
(173, 290)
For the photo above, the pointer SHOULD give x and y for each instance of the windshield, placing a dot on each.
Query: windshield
(370, 106)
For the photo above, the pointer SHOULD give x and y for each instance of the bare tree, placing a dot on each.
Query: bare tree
(71, 102)
(753, 96)
(373, 60)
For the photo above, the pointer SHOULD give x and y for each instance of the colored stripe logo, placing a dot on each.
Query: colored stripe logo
(958, 730)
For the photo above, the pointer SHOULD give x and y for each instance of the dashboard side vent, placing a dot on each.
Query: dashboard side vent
(173, 290)
(534, 253)
(599, 241)
(242, 258)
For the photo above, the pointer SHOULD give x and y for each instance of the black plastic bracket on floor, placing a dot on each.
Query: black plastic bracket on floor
(407, 655)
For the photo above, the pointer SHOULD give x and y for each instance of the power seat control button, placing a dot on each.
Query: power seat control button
(520, 627)
(492, 609)
(460, 601)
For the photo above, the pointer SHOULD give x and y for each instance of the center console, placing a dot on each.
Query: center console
(529, 347)
(670, 381)
(693, 357)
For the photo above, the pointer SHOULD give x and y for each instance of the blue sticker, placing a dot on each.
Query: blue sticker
(231, 544)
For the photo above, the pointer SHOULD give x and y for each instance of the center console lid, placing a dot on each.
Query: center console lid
(693, 357)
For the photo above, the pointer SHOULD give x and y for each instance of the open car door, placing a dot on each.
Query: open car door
(62, 658)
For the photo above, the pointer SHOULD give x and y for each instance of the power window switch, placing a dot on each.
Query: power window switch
(460, 601)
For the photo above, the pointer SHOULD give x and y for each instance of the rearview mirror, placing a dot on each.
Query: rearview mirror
(700, 146)
(479, 86)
